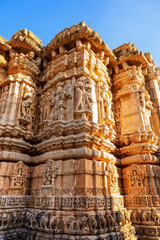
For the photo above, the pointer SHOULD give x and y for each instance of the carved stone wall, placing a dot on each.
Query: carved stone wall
(79, 139)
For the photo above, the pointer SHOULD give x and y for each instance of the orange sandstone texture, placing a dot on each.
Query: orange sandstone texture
(79, 139)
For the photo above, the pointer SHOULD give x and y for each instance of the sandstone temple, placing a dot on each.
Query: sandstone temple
(79, 139)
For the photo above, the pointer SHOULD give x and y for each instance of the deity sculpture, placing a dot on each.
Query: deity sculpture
(49, 173)
(58, 104)
(19, 177)
(79, 95)
(88, 98)
(146, 107)
(3, 99)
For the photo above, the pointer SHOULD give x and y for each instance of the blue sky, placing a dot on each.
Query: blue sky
(117, 21)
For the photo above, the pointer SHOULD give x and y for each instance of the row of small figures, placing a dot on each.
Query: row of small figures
(86, 224)
(146, 216)
(61, 223)
(29, 235)
(10, 219)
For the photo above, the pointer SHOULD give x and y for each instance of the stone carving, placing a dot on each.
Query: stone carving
(69, 222)
(28, 106)
(44, 106)
(146, 106)
(151, 216)
(127, 217)
(14, 218)
(113, 178)
(58, 104)
(18, 179)
(56, 223)
(109, 220)
(79, 138)
(101, 221)
(155, 216)
(146, 215)
(92, 223)
(49, 173)
(31, 218)
(88, 98)
(58, 100)
(135, 178)
(10, 219)
(68, 89)
(119, 217)
(84, 100)
(44, 220)
(79, 94)
(3, 99)
(106, 98)
(4, 220)
(136, 215)
(81, 224)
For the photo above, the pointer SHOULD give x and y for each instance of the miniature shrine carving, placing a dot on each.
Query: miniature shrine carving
(19, 178)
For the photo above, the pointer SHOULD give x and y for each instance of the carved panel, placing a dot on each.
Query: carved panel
(134, 176)
(18, 178)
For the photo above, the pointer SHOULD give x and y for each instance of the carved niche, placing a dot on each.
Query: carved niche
(28, 106)
(49, 175)
(3, 99)
(146, 107)
(19, 179)
(58, 101)
(45, 106)
(107, 105)
(134, 178)
(118, 116)
(112, 178)
(83, 98)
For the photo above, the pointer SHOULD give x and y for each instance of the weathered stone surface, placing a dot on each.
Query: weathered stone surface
(79, 139)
